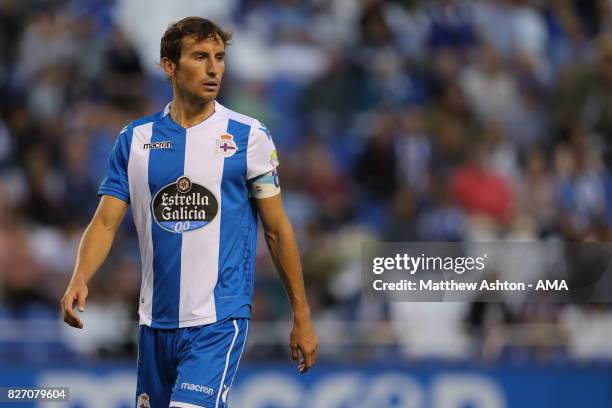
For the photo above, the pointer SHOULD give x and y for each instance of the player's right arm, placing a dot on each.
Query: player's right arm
(93, 250)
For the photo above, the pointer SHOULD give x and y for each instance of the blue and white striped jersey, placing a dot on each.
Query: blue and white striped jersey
(196, 224)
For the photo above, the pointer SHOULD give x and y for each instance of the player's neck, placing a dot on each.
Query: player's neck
(190, 114)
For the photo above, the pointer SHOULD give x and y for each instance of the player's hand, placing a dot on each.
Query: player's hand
(75, 295)
(303, 341)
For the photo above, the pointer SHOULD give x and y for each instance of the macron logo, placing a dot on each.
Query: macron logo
(196, 387)
(166, 144)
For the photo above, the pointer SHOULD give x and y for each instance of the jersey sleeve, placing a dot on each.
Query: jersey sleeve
(115, 182)
(261, 153)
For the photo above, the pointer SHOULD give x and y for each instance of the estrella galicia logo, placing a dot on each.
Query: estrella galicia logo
(184, 206)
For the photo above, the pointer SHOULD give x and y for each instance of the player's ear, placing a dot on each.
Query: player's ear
(168, 66)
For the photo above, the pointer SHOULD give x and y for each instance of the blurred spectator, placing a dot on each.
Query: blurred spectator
(489, 88)
(580, 190)
(414, 151)
(451, 25)
(480, 190)
(583, 96)
(537, 190)
(441, 219)
(376, 168)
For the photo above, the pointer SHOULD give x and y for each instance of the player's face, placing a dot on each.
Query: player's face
(200, 68)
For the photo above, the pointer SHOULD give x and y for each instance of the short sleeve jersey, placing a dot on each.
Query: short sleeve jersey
(196, 223)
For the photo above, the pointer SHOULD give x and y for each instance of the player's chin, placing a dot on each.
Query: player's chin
(209, 95)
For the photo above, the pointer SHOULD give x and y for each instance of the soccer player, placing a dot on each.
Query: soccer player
(196, 175)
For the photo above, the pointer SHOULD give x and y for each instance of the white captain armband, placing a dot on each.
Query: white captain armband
(264, 186)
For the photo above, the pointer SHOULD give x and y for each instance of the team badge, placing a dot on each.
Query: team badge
(143, 401)
(226, 146)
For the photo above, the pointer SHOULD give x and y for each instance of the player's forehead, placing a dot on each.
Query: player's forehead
(211, 45)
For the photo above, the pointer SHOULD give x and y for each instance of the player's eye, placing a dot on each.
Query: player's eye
(220, 57)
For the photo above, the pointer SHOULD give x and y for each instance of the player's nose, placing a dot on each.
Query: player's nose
(212, 68)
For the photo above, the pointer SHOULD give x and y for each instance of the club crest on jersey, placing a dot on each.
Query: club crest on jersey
(226, 146)
(184, 206)
(143, 401)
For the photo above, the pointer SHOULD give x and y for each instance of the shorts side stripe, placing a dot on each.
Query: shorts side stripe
(240, 356)
(227, 359)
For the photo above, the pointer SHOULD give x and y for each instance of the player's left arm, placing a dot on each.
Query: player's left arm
(283, 249)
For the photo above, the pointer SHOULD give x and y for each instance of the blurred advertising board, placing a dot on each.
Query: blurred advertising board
(434, 385)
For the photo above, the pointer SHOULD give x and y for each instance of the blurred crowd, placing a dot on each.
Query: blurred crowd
(442, 120)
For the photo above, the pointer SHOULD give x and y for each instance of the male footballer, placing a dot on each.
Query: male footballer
(196, 175)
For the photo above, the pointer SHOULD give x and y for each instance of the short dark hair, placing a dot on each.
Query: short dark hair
(198, 27)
